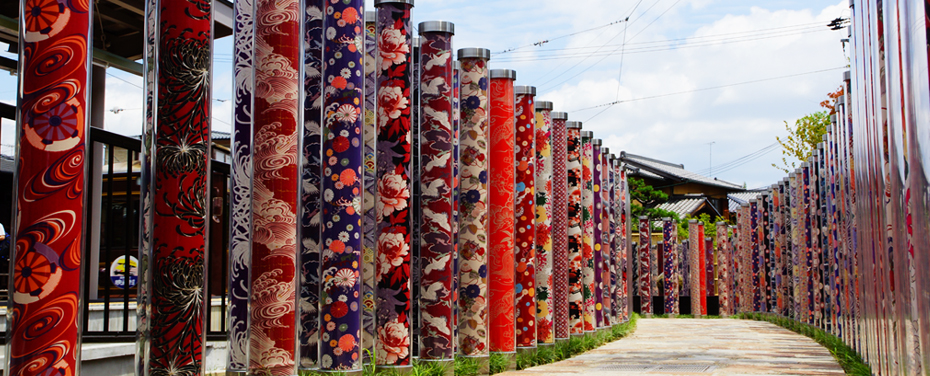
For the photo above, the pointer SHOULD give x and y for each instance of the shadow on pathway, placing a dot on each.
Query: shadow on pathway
(728, 347)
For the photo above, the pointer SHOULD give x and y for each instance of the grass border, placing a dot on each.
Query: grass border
(848, 358)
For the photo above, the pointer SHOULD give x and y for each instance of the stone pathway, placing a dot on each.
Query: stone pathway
(713, 347)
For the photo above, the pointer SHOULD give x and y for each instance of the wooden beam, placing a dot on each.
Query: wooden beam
(128, 7)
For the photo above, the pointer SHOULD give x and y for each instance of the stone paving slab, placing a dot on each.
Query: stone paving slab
(700, 347)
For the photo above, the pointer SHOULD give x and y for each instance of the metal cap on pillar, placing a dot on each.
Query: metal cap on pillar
(473, 52)
(504, 73)
(371, 16)
(436, 27)
(524, 90)
(596, 141)
(573, 124)
(456, 64)
(559, 116)
(543, 105)
(586, 134)
(379, 2)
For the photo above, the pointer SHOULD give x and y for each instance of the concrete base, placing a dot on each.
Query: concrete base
(578, 335)
(561, 340)
(672, 315)
(647, 315)
(484, 363)
(538, 345)
(447, 364)
(511, 358)
(396, 370)
(526, 350)
(236, 373)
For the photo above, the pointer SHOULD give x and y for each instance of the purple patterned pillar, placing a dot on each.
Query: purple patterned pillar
(393, 165)
(575, 176)
(340, 293)
(456, 160)
(597, 218)
(370, 187)
(560, 225)
(626, 274)
(240, 198)
(645, 276)
(525, 216)
(473, 201)
(309, 229)
(669, 233)
(436, 146)
(545, 333)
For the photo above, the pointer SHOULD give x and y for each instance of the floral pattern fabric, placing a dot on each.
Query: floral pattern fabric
(369, 198)
(588, 225)
(669, 232)
(340, 293)
(393, 205)
(575, 231)
(544, 233)
(694, 261)
(525, 220)
(606, 247)
(723, 250)
(597, 218)
(436, 242)
(501, 217)
(473, 209)
(645, 274)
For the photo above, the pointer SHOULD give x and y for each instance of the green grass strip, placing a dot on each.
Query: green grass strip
(848, 358)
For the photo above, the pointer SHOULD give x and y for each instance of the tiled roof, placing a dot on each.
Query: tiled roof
(675, 171)
(738, 198)
(683, 206)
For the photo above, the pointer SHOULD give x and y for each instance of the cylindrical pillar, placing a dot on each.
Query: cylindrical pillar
(694, 267)
(723, 276)
(310, 225)
(275, 183)
(669, 230)
(436, 246)
(501, 264)
(545, 333)
(597, 219)
(645, 275)
(618, 299)
(702, 269)
(175, 255)
(525, 216)
(53, 104)
(393, 205)
(574, 171)
(613, 237)
(626, 299)
(561, 222)
(473, 202)
(240, 198)
(370, 186)
(456, 161)
(340, 292)
(606, 249)
(754, 217)
(587, 224)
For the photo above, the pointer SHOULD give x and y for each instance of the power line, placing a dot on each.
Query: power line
(723, 167)
(121, 79)
(544, 41)
(707, 88)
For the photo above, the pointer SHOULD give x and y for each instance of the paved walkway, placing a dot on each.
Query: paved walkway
(714, 347)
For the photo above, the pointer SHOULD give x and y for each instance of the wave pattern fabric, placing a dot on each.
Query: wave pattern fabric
(501, 212)
(393, 205)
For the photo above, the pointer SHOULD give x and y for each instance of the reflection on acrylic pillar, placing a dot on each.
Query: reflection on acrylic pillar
(340, 297)
(240, 198)
(723, 250)
(415, 212)
(176, 254)
(473, 204)
(456, 125)
(545, 333)
(393, 206)
(49, 210)
(275, 183)
(560, 225)
(524, 216)
(436, 146)
(501, 226)
(606, 250)
(597, 219)
(645, 277)
(587, 225)
(309, 229)
(669, 230)
(143, 307)
(369, 178)
(694, 260)
(574, 170)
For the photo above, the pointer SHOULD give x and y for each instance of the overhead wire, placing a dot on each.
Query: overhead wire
(544, 41)
(723, 167)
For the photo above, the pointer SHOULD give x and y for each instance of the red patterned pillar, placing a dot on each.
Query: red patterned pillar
(525, 216)
(645, 274)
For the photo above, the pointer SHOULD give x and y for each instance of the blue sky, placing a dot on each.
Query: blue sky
(672, 46)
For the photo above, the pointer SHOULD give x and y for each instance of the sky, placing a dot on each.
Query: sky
(699, 82)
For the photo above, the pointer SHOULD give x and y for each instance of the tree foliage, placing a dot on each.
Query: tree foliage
(804, 135)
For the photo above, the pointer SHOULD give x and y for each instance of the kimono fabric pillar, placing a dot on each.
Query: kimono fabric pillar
(393, 205)
(177, 177)
(619, 242)
(501, 262)
(702, 267)
(723, 257)
(575, 228)
(626, 275)
(473, 202)
(275, 183)
(525, 217)
(613, 238)
(53, 104)
(756, 293)
(597, 248)
(240, 198)
(694, 264)
(436, 146)
(560, 223)
(587, 225)
(143, 311)
(671, 267)
(456, 160)
(309, 230)
(415, 212)
(645, 276)
(340, 290)
(606, 249)
(369, 182)
(545, 334)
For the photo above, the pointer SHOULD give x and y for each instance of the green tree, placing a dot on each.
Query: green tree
(804, 135)
(648, 198)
